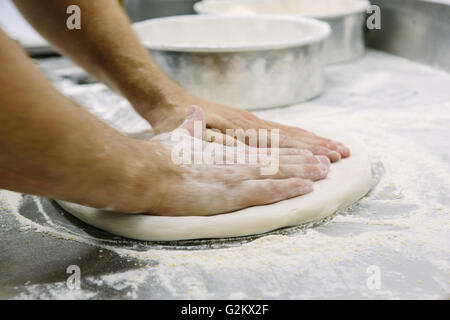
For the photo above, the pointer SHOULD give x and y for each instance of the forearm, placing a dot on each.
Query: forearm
(50, 146)
(105, 46)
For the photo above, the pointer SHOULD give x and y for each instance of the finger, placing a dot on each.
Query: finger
(315, 149)
(222, 154)
(289, 142)
(288, 145)
(215, 136)
(284, 127)
(312, 172)
(327, 143)
(312, 138)
(334, 156)
(298, 159)
(261, 192)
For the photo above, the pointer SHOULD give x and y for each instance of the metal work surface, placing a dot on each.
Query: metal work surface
(400, 232)
(422, 30)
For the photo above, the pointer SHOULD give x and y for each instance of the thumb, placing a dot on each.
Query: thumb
(195, 122)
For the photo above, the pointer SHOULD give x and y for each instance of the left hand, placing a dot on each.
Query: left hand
(221, 117)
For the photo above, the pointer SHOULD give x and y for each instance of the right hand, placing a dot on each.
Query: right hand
(208, 189)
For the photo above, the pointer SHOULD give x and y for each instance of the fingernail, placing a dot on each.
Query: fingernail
(344, 151)
(336, 156)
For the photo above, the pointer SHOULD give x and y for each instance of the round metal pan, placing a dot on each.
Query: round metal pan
(345, 17)
(249, 62)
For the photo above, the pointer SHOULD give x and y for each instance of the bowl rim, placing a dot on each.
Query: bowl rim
(360, 7)
(323, 32)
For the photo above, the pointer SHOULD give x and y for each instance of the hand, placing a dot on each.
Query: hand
(214, 187)
(222, 117)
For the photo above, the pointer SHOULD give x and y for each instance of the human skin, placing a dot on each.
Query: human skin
(214, 187)
(109, 49)
(52, 147)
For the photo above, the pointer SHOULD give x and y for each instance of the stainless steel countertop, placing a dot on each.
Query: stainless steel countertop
(416, 29)
(398, 108)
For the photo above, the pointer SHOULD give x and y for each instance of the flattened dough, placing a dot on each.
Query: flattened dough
(348, 181)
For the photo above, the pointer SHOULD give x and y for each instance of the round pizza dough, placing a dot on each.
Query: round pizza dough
(348, 181)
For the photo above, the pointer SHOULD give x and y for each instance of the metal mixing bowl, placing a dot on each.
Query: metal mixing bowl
(345, 17)
(250, 62)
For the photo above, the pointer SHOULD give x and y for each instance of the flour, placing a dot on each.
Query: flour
(389, 231)
(128, 281)
(402, 226)
(125, 282)
(57, 291)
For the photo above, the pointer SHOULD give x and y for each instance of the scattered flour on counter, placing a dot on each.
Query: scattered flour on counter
(127, 282)
(402, 226)
(404, 217)
(54, 291)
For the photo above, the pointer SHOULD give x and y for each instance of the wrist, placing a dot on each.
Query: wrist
(149, 91)
(135, 179)
(98, 175)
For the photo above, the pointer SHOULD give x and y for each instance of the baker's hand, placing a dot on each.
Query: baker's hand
(212, 185)
(222, 117)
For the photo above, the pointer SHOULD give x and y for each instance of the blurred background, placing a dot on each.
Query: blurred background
(17, 27)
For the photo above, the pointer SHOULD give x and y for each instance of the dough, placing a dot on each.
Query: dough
(348, 181)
